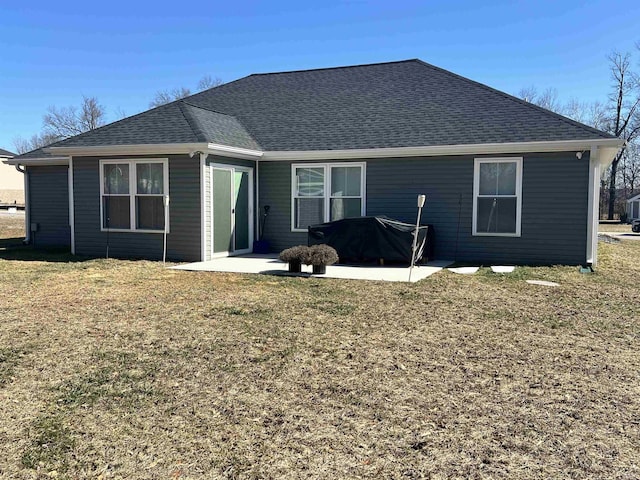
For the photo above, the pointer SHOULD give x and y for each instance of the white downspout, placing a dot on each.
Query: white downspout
(72, 221)
(203, 243)
(27, 216)
(256, 207)
(593, 211)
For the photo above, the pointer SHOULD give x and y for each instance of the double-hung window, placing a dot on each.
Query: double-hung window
(497, 196)
(326, 192)
(132, 194)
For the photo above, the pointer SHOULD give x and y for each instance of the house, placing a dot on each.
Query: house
(11, 182)
(505, 180)
(633, 208)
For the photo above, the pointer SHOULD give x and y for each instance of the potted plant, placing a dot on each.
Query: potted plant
(319, 256)
(295, 256)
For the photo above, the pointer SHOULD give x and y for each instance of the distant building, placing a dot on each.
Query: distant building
(11, 181)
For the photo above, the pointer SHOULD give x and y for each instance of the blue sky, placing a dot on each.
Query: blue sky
(52, 53)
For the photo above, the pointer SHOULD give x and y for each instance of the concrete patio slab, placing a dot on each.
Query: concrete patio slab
(269, 264)
(622, 235)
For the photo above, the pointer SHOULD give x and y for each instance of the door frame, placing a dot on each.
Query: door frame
(233, 169)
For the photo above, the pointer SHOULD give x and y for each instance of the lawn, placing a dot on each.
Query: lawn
(119, 369)
(615, 227)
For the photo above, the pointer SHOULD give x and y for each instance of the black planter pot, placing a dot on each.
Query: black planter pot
(319, 269)
(261, 246)
(295, 267)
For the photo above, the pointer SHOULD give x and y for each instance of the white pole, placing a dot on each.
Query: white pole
(421, 200)
(165, 202)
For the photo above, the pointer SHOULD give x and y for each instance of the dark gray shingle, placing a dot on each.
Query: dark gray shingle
(6, 153)
(408, 103)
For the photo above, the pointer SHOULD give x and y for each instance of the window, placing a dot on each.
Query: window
(326, 192)
(132, 193)
(497, 196)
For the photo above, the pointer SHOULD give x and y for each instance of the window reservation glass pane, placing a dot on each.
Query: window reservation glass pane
(345, 181)
(149, 213)
(496, 215)
(116, 178)
(309, 182)
(308, 211)
(345, 208)
(498, 178)
(115, 212)
(150, 178)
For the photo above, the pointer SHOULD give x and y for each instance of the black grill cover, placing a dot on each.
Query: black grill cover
(373, 238)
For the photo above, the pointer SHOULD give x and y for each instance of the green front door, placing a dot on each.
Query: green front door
(231, 196)
(222, 216)
(241, 210)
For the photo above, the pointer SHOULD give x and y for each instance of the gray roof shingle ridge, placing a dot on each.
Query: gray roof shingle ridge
(192, 122)
(188, 116)
(517, 100)
(339, 67)
(207, 108)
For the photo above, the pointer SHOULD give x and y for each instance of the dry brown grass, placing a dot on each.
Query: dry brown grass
(11, 225)
(615, 227)
(117, 369)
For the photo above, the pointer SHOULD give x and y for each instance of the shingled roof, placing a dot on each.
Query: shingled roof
(397, 104)
(6, 153)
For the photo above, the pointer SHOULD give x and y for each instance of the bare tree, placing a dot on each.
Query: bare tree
(624, 121)
(620, 116)
(166, 96)
(69, 121)
(630, 166)
(208, 82)
(120, 113)
(548, 98)
(38, 140)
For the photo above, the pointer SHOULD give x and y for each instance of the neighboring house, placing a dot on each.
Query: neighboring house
(505, 180)
(11, 182)
(633, 208)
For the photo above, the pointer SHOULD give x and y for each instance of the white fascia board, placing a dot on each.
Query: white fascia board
(158, 148)
(38, 161)
(634, 199)
(235, 152)
(612, 144)
(147, 149)
(444, 150)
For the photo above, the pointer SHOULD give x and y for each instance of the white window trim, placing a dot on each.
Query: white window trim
(132, 162)
(327, 187)
(476, 190)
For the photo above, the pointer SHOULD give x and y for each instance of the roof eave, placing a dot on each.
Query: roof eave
(446, 150)
(611, 145)
(158, 148)
(35, 161)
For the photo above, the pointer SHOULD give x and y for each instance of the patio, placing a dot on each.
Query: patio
(271, 265)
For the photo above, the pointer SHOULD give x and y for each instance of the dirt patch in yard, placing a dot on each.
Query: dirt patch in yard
(120, 369)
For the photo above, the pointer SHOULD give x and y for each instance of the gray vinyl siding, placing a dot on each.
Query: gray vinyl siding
(554, 206)
(48, 205)
(183, 241)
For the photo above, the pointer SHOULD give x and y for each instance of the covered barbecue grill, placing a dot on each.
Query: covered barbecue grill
(373, 238)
